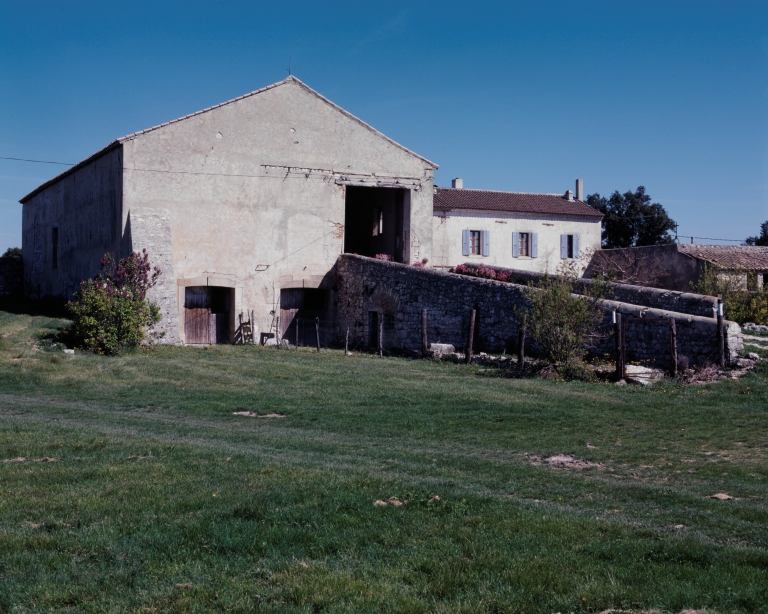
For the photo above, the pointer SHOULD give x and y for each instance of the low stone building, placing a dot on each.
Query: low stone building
(678, 266)
(529, 232)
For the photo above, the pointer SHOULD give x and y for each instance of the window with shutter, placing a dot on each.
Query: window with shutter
(575, 246)
(563, 247)
(465, 242)
(534, 245)
(515, 244)
(486, 236)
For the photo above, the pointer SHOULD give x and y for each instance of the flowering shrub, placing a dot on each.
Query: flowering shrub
(483, 271)
(418, 265)
(386, 257)
(424, 260)
(111, 311)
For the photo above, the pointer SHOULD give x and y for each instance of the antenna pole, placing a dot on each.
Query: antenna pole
(289, 65)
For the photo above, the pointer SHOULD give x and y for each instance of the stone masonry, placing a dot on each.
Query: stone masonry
(399, 293)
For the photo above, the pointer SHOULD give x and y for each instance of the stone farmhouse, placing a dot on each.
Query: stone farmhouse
(247, 207)
(678, 266)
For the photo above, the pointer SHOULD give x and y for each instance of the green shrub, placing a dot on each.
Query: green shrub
(111, 311)
(741, 304)
(563, 325)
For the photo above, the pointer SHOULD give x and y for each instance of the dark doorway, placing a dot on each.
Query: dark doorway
(207, 314)
(374, 222)
(299, 308)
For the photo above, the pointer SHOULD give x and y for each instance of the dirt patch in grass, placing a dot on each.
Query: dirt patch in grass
(564, 461)
(393, 501)
(21, 459)
(253, 414)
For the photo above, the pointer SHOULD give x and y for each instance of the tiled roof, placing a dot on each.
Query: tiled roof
(290, 79)
(449, 199)
(729, 257)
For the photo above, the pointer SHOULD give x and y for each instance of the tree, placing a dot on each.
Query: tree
(632, 220)
(762, 239)
(13, 252)
(111, 311)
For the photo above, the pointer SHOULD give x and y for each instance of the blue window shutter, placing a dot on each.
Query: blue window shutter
(465, 242)
(534, 245)
(486, 237)
(564, 247)
(515, 244)
(576, 246)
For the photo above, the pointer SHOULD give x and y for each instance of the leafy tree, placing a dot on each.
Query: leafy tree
(13, 252)
(762, 239)
(632, 220)
(741, 304)
(111, 311)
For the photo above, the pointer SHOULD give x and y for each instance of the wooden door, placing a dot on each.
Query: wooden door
(291, 301)
(197, 314)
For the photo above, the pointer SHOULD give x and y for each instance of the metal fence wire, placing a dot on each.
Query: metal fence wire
(299, 332)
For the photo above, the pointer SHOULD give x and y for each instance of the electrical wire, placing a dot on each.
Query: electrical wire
(38, 161)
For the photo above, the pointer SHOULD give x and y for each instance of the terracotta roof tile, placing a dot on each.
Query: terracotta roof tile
(729, 257)
(449, 199)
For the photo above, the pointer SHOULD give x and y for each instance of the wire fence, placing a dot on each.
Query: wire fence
(298, 332)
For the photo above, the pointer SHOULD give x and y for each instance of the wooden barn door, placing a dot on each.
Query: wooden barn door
(197, 314)
(291, 301)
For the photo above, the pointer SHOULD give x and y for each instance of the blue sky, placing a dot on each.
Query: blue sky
(523, 96)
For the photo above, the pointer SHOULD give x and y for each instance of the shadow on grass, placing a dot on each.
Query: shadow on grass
(50, 308)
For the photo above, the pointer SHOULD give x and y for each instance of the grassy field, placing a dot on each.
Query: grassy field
(139, 490)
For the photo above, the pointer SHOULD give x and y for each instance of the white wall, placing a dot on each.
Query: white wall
(447, 238)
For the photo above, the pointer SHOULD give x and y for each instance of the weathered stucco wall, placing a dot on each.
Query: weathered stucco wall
(254, 191)
(85, 206)
(448, 227)
(400, 292)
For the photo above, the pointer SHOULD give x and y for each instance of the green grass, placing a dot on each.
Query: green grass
(161, 500)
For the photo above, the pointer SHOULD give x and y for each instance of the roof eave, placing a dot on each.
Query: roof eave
(104, 150)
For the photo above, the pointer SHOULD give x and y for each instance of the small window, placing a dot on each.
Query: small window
(569, 247)
(475, 242)
(378, 222)
(525, 244)
(55, 247)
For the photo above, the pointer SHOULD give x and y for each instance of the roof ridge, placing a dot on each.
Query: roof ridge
(506, 192)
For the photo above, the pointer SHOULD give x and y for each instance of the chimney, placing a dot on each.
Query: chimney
(579, 189)
(569, 195)
(457, 183)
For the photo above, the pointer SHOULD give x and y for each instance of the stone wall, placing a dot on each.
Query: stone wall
(11, 276)
(151, 230)
(655, 298)
(400, 292)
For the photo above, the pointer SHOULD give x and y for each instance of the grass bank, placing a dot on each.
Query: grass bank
(160, 499)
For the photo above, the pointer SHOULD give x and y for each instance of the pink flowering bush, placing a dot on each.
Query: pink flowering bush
(483, 271)
(418, 265)
(385, 257)
(111, 311)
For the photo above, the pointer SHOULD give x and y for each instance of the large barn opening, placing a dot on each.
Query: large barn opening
(300, 310)
(374, 222)
(207, 314)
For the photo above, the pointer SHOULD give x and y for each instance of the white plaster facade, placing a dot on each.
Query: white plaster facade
(547, 229)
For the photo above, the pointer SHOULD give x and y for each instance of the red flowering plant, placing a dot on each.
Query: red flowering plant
(385, 257)
(111, 312)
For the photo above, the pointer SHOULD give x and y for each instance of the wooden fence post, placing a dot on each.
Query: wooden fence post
(617, 330)
(253, 327)
(673, 346)
(346, 343)
(720, 334)
(296, 323)
(424, 340)
(381, 335)
(317, 333)
(470, 337)
(521, 346)
(623, 349)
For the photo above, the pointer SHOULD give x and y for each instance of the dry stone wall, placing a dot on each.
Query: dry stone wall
(399, 293)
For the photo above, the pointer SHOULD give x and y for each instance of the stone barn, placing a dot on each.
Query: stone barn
(245, 206)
